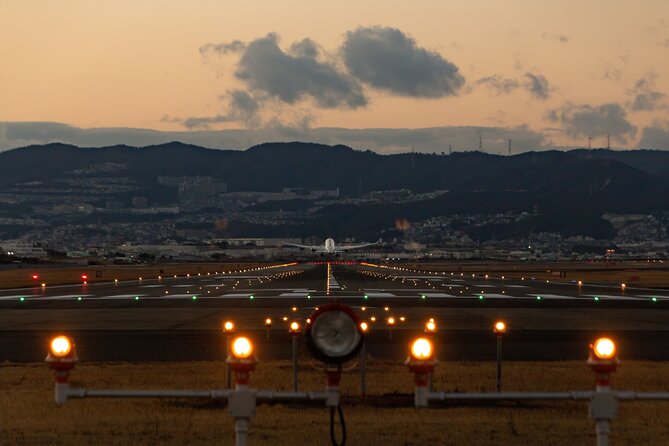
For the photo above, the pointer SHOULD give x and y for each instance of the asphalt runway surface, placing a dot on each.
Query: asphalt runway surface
(180, 318)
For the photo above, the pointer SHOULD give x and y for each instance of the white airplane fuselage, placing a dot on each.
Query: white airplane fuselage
(329, 246)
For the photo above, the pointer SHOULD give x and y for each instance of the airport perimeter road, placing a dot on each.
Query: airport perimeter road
(180, 318)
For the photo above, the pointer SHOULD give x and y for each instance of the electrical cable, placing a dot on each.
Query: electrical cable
(333, 437)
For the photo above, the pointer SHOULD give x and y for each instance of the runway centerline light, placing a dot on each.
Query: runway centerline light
(421, 349)
(60, 346)
(604, 348)
(242, 348)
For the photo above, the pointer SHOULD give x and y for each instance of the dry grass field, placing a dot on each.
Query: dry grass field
(633, 274)
(22, 277)
(29, 416)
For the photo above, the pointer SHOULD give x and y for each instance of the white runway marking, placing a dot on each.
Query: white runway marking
(435, 295)
(121, 296)
(153, 286)
(650, 296)
(16, 296)
(612, 297)
(379, 294)
(552, 296)
(516, 286)
(497, 296)
(294, 294)
(65, 296)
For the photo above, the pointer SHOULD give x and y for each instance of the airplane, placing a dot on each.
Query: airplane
(329, 247)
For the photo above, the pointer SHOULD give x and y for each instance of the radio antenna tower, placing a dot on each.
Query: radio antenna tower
(480, 143)
(608, 141)
(589, 147)
(509, 147)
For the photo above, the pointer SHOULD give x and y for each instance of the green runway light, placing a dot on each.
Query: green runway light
(423, 296)
(136, 297)
(481, 297)
(596, 298)
(308, 296)
(365, 297)
(654, 299)
(22, 299)
(251, 297)
(79, 298)
(194, 297)
(538, 297)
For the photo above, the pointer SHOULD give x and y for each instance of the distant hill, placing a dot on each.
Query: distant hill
(571, 189)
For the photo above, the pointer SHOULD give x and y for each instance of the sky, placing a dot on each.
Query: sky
(381, 75)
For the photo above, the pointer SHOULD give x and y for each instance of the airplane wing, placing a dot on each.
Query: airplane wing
(308, 247)
(350, 247)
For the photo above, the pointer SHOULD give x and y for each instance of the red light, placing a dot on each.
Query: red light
(35, 277)
(84, 277)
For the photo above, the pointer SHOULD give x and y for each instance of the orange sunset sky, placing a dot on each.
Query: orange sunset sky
(226, 74)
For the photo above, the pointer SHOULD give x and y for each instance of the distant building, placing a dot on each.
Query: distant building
(140, 202)
(114, 205)
(199, 188)
(22, 248)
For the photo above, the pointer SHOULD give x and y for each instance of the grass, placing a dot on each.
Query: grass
(30, 416)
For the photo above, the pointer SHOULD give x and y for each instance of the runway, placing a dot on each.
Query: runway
(179, 318)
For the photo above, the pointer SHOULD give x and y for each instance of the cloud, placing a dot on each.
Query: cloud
(381, 140)
(581, 121)
(223, 48)
(388, 59)
(537, 85)
(553, 37)
(242, 107)
(645, 97)
(498, 84)
(297, 74)
(655, 136)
